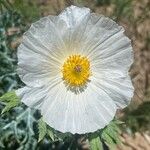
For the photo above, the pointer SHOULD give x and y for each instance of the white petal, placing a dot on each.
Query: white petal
(102, 40)
(116, 84)
(73, 22)
(116, 53)
(78, 113)
(40, 55)
(35, 96)
(98, 31)
(32, 97)
(92, 31)
(73, 15)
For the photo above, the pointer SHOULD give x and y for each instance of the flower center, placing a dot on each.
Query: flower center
(76, 70)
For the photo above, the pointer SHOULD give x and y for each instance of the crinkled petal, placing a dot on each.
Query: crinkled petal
(115, 54)
(71, 25)
(100, 39)
(74, 15)
(116, 84)
(32, 97)
(35, 96)
(80, 113)
(40, 55)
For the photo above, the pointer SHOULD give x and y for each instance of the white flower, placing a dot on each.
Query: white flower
(75, 67)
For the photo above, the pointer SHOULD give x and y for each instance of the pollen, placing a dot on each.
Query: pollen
(76, 70)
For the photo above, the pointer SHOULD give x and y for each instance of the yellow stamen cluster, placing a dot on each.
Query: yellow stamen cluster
(76, 70)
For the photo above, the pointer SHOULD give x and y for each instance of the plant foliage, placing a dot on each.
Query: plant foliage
(16, 124)
(108, 136)
(11, 100)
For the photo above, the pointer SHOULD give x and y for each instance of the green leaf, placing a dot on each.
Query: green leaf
(51, 134)
(95, 143)
(42, 129)
(11, 100)
(117, 122)
(10, 105)
(9, 96)
(110, 133)
(113, 134)
(115, 125)
(109, 141)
